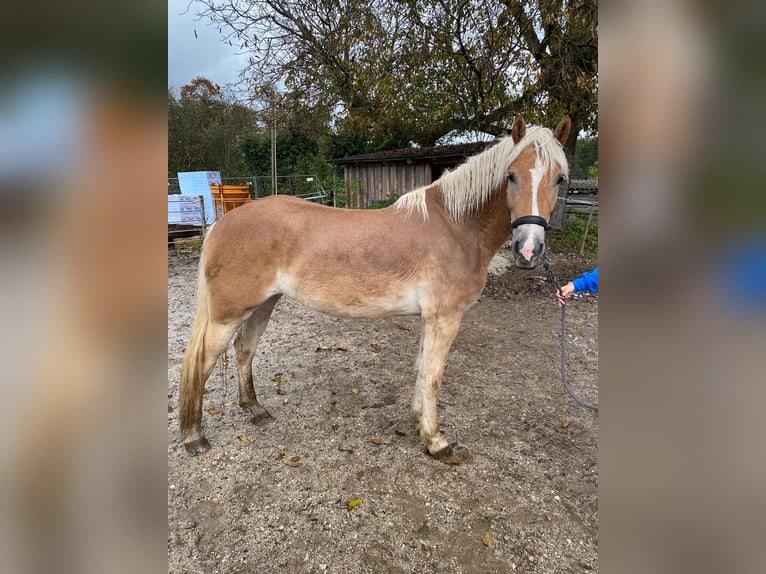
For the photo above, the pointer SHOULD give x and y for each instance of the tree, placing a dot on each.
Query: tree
(585, 157)
(205, 130)
(414, 70)
(301, 145)
(560, 40)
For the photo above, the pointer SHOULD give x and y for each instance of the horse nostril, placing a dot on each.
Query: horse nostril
(516, 246)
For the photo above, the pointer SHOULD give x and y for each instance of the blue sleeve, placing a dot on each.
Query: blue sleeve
(587, 282)
(740, 276)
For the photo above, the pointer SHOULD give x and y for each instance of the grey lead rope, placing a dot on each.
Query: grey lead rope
(557, 287)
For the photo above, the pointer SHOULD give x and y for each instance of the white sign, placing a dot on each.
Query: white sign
(196, 183)
(184, 209)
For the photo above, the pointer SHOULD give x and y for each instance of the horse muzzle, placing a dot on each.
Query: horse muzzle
(528, 245)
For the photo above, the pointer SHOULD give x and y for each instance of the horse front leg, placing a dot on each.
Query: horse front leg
(437, 334)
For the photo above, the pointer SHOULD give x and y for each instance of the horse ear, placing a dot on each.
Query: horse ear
(519, 129)
(561, 132)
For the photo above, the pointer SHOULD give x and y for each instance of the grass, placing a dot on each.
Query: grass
(571, 239)
(188, 244)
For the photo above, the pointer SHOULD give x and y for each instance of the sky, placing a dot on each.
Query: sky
(206, 55)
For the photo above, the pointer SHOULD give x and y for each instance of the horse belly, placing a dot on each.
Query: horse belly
(351, 300)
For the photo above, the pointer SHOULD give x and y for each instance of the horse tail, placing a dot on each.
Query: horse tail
(192, 370)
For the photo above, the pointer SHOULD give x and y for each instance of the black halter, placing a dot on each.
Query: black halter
(534, 219)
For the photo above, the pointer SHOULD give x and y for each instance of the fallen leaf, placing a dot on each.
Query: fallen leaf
(341, 349)
(228, 404)
(214, 411)
(281, 392)
(351, 504)
(322, 347)
(400, 432)
(276, 378)
(355, 391)
(285, 401)
(565, 425)
(292, 462)
(376, 441)
(489, 541)
(243, 438)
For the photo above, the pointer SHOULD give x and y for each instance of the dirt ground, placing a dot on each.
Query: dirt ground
(338, 482)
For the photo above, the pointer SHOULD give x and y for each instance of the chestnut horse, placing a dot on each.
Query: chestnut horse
(427, 254)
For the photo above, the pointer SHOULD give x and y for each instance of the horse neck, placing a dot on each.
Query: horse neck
(489, 227)
(493, 226)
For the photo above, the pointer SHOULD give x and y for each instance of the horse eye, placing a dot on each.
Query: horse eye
(561, 180)
(512, 177)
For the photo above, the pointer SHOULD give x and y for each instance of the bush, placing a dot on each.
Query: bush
(381, 204)
(571, 238)
(339, 195)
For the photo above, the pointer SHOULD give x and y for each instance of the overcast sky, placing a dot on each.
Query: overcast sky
(206, 55)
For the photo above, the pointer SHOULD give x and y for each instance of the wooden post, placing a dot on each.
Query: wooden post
(274, 154)
(558, 217)
(587, 226)
(202, 214)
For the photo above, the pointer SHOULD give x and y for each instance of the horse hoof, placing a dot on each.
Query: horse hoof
(197, 446)
(454, 454)
(262, 417)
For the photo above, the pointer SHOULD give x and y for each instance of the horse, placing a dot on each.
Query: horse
(438, 240)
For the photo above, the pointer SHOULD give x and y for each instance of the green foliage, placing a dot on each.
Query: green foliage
(297, 154)
(593, 170)
(204, 130)
(340, 195)
(571, 239)
(381, 204)
(256, 149)
(586, 155)
(348, 145)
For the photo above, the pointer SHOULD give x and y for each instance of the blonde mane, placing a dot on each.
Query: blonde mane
(470, 185)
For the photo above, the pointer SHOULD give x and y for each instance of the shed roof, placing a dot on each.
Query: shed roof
(416, 154)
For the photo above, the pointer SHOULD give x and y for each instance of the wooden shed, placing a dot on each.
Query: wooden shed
(375, 177)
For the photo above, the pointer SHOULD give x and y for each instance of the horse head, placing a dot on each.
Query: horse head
(533, 182)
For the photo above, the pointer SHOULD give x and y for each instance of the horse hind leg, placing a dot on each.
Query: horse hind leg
(201, 355)
(245, 344)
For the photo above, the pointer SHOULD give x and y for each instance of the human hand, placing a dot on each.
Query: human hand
(565, 292)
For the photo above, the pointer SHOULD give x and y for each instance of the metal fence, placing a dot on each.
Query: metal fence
(582, 212)
(174, 187)
(304, 186)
